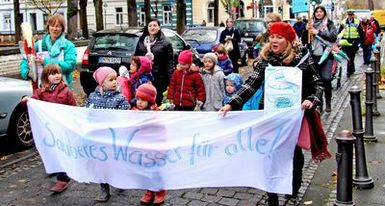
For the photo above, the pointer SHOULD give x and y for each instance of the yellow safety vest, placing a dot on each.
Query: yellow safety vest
(351, 29)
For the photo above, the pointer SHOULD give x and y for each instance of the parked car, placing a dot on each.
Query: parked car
(290, 21)
(249, 29)
(202, 38)
(14, 121)
(115, 47)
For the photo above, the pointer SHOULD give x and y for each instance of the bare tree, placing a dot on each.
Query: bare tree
(72, 18)
(99, 14)
(132, 14)
(48, 7)
(17, 19)
(216, 12)
(83, 18)
(147, 9)
(370, 4)
(180, 16)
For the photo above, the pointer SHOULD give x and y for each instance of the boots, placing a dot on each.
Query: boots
(159, 197)
(104, 195)
(147, 198)
(328, 108)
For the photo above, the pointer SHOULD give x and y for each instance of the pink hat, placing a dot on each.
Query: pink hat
(146, 92)
(101, 74)
(185, 57)
(145, 65)
(283, 29)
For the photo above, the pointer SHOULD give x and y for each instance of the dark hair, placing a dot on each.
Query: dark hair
(145, 28)
(322, 8)
(136, 59)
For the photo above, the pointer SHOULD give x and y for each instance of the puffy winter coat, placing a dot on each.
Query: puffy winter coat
(60, 94)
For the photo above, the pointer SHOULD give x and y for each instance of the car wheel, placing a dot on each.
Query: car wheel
(20, 128)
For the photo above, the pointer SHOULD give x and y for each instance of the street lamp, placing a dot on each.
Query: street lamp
(105, 14)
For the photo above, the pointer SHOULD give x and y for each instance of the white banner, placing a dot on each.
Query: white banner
(170, 150)
(283, 87)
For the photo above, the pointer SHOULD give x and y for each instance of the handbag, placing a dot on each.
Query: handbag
(229, 44)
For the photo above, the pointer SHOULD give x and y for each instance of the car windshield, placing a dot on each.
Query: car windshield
(256, 26)
(115, 41)
(202, 35)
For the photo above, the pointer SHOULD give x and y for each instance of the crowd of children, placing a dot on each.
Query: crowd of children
(191, 89)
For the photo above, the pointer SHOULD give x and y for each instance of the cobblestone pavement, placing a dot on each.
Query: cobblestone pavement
(26, 183)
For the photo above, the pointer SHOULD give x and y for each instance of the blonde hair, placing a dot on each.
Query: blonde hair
(48, 70)
(274, 16)
(288, 55)
(56, 18)
(220, 49)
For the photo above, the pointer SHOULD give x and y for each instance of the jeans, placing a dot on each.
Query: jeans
(367, 53)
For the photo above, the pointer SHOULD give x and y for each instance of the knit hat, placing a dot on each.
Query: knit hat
(146, 92)
(236, 79)
(211, 56)
(145, 65)
(185, 57)
(283, 29)
(123, 71)
(101, 74)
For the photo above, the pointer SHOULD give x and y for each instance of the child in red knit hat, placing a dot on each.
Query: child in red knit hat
(145, 100)
(186, 89)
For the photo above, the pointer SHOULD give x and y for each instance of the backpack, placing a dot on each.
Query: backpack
(369, 36)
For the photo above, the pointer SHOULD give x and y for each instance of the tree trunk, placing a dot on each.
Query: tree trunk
(132, 14)
(99, 14)
(180, 17)
(216, 13)
(17, 20)
(72, 19)
(147, 10)
(83, 18)
(370, 5)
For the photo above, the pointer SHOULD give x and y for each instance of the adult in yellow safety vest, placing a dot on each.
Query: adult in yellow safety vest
(349, 30)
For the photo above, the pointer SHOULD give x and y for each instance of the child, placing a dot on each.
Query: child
(106, 96)
(213, 79)
(140, 73)
(53, 89)
(224, 62)
(146, 96)
(233, 83)
(186, 89)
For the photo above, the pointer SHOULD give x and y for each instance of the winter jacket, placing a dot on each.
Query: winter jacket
(312, 87)
(237, 38)
(186, 87)
(225, 64)
(163, 56)
(107, 100)
(214, 87)
(237, 81)
(67, 65)
(60, 94)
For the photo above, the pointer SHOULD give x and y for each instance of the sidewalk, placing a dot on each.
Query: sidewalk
(322, 190)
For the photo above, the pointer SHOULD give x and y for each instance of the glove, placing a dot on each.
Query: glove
(198, 106)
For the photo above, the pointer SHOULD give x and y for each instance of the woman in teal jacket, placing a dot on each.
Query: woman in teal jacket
(53, 48)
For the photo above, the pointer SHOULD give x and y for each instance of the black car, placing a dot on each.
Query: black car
(115, 47)
(249, 29)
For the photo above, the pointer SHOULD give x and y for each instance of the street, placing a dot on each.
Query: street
(24, 181)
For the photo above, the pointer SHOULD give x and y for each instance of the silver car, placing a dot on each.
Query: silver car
(14, 121)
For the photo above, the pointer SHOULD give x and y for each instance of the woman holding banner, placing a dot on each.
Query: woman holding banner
(281, 51)
(53, 48)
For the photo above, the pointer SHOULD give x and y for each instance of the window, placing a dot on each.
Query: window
(45, 18)
(142, 17)
(167, 15)
(7, 22)
(119, 15)
(210, 12)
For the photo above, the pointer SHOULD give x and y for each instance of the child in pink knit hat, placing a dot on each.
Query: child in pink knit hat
(106, 96)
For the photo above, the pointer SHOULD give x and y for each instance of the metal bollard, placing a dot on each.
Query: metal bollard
(344, 158)
(376, 54)
(369, 134)
(361, 179)
(375, 86)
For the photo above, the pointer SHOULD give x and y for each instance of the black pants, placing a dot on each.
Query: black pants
(62, 176)
(351, 52)
(161, 84)
(298, 162)
(183, 108)
(328, 91)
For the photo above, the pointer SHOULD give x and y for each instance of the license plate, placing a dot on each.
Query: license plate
(110, 60)
(247, 39)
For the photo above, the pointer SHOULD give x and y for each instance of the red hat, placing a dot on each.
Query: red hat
(283, 29)
(145, 65)
(146, 92)
(185, 57)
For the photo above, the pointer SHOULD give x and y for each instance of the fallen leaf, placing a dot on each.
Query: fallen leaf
(308, 202)
(23, 180)
(376, 161)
